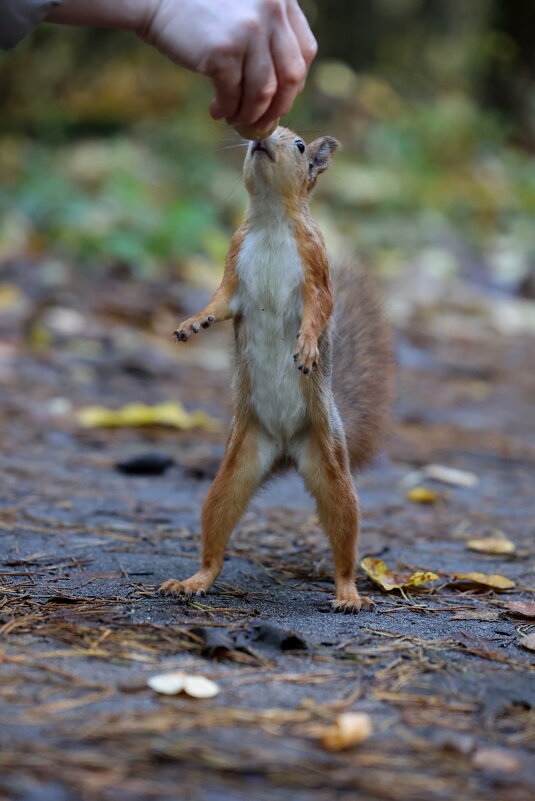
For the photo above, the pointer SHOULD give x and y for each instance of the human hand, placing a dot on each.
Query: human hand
(256, 52)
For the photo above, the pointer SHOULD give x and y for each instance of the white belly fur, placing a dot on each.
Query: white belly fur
(269, 300)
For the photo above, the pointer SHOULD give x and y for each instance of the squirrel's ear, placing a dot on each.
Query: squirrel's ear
(319, 154)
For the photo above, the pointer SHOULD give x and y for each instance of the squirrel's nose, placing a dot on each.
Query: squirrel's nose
(263, 146)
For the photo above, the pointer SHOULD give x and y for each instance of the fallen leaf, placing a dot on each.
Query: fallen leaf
(176, 682)
(171, 414)
(522, 608)
(379, 572)
(475, 614)
(493, 580)
(350, 728)
(450, 475)
(497, 543)
(423, 495)
(496, 759)
(246, 644)
(267, 635)
(219, 645)
(528, 642)
(10, 296)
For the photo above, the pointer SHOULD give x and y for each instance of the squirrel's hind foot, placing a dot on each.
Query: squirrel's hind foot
(181, 589)
(351, 603)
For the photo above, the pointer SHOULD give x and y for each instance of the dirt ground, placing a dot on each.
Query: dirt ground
(443, 670)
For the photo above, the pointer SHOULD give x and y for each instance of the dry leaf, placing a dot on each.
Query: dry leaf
(522, 608)
(138, 414)
(528, 642)
(378, 571)
(493, 580)
(349, 729)
(497, 543)
(176, 682)
(450, 475)
(475, 614)
(423, 495)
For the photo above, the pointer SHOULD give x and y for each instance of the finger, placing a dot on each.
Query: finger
(301, 29)
(259, 84)
(291, 71)
(228, 85)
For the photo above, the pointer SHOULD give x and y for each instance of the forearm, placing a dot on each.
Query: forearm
(317, 309)
(219, 305)
(256, 52)
(130, 15)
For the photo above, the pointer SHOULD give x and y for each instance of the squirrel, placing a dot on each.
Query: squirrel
(309, 392)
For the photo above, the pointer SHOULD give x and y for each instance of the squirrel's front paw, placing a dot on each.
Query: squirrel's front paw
(307, 354)
(192, 326)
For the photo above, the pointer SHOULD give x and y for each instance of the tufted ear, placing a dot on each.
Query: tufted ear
(319, 153)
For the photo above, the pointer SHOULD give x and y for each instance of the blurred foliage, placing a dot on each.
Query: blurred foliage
(108, 156)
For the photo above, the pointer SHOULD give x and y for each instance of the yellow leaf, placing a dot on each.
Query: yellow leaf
(420, 577)
(10, 296)
(497, 543)
(170, 414)
(39, 336)
(493, 580)
(378, 571)
(423, 495)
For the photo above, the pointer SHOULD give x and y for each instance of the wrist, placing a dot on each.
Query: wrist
(129, 15)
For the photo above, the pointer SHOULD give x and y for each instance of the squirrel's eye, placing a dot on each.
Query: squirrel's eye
(300, 145)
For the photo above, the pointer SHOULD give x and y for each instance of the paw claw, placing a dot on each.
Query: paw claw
(184, 589)
(352, 605)
(193, 326)
(173, 588)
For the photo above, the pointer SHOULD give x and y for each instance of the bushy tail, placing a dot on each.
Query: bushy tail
(363, 366)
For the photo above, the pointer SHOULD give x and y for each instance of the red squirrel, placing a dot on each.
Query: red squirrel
(308, 394)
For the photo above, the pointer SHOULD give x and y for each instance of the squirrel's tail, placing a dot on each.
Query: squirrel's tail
(363, 365)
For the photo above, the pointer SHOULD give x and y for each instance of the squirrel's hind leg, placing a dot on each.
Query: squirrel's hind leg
(247, 461)
(323, 462)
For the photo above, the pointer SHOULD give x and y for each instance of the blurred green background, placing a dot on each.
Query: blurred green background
(108, 158)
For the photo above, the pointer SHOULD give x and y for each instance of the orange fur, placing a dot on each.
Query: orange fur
(218, 309)
(362, 366)
(317, 296)
(227, 499)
